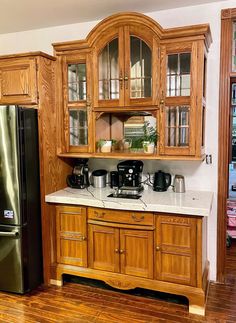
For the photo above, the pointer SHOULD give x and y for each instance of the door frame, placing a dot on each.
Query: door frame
(227, 18)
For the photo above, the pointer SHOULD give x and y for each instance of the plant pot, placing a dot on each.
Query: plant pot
(126, 144)
(148, 147)
(106, 147)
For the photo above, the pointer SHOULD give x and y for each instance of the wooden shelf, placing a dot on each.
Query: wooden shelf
(142, 156)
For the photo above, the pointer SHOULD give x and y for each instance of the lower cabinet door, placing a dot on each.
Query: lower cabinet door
(103, 248)
(176, 258)
(136, 253)
(71, 236)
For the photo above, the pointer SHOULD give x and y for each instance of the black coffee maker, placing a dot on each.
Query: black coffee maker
(130, 173)
(161, 181)
(79, 177)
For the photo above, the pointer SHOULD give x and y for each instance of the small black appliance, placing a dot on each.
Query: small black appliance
(161, 181)
(79, 177)
(129, 179)
(114, 176)
(130, 173)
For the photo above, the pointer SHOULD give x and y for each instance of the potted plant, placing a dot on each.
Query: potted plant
(104, 145)
(150, 137)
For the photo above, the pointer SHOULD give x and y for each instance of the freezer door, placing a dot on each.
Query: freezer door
(9, 167)
(11, 264)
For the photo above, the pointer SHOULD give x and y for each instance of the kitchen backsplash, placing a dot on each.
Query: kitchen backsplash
(194, 172)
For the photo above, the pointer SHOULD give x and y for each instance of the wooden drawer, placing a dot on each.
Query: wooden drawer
(118, 216)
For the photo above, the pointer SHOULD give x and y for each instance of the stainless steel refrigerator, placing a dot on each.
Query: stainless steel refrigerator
(20, 224)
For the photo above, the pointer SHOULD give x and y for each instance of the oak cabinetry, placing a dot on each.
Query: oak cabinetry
(137, 70)
(127, 64)
(103, 248)
(28, 79)
(176, 249)
(117, 216)
(129, 249)
(18, 80)
(121, 241)
(76, 77)
(125, 251)
(71, 228)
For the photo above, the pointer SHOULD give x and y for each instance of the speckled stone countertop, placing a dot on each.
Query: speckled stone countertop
(188, 203)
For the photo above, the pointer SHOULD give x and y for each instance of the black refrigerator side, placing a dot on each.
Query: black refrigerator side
(30, 197)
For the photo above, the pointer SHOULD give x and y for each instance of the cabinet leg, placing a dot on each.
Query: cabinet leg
(197, 306)
(56, 282)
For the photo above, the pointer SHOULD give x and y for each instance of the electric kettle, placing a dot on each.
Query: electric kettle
(161, 181)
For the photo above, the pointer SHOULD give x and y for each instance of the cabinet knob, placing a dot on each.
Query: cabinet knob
(117, 250)
(158, 248)
(99, 215)
(136, 218)
(122, 251)
(84, 238)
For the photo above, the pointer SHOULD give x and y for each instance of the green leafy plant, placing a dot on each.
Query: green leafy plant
(149, 133)
(101, 142)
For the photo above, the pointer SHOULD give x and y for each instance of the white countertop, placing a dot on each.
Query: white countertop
(190, 202)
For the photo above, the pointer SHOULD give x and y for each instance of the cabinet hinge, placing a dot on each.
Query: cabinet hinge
(37, 95)
(159, 52)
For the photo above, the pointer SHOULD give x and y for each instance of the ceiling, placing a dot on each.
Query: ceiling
(27, 14)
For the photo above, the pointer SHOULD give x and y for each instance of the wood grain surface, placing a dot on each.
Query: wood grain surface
(74, 303)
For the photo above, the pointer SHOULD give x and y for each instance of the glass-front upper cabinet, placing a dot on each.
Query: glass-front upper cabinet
(125, 67)
(77, 103)
(177, 104)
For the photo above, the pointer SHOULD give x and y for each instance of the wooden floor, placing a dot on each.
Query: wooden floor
(86, 303)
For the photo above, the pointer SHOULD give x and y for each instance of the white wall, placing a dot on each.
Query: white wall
(198, 175)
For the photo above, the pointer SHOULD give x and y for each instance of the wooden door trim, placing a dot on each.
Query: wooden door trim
(227, 17)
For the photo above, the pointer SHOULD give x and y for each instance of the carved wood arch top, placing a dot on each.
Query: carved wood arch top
(135, 19)
(121, 19)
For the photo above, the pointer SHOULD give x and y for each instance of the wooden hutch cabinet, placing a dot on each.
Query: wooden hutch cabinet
(128, 249)
(127, 78)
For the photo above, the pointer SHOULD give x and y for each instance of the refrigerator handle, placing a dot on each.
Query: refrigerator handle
(9, 234)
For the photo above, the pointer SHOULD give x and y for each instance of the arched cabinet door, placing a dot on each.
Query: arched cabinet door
(126, 68)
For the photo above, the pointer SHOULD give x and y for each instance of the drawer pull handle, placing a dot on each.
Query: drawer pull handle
(99, 215)
(158, 248)
(137, 219)
(117, 250)
(122, 251)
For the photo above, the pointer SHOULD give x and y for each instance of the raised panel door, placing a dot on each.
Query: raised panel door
(136, 253)
(103, 248)
(71, 236)
(175, 259)
(18, 81)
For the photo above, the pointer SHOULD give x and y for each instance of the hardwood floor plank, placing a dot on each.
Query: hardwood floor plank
(80, 303)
